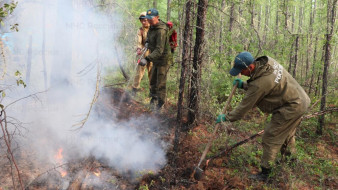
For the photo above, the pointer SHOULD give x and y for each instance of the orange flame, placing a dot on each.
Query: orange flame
(59, 156)
(59, 159)
(97, 173)
(63, 173)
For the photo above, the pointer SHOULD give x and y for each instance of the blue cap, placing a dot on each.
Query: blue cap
(242, 61)
(151, 13)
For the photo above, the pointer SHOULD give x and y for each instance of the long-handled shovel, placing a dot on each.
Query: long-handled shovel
(197, 173)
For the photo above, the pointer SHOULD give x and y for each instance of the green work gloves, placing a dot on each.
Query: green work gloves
(239, 83)
(221, 118)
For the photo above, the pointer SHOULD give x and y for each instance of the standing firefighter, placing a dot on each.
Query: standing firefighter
(141, 40)
(273, 90)
(160, 54)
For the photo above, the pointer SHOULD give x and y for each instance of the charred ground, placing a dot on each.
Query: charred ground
(312, 170)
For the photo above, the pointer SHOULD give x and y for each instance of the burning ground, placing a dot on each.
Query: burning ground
(123, 145)
(104, 168)
(123, 142)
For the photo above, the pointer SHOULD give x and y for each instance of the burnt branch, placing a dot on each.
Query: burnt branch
(7, 141)
(95, 98)
(4, 60)
(31, 95)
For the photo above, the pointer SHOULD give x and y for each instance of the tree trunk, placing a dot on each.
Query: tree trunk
(168, 10)
(220, 48)
(252, 12)
(293, 20)
(277, 26)
(313, 67)
(259, 17)
(312, 16)
(231, 26)
(185, 59)
(155, 4)
(180, 33)
(189, 67)
(266, 23)
(232, 16)
(197, 62)
(286, 14)
(240, 10)
(330, 22)
(300, 25)
(296, 57)
(317, 90)
(291, 58)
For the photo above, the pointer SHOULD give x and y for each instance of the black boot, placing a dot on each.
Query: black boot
(262, 176)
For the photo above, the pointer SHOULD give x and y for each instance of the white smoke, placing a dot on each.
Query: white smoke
(75, 39)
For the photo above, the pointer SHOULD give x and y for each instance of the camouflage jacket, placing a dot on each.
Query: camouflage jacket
(158, 44)
(272, 89)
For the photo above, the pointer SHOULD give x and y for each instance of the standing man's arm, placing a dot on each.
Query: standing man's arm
(139, 42)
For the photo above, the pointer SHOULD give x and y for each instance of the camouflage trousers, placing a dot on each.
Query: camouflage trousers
(158, 82)
(279, 135)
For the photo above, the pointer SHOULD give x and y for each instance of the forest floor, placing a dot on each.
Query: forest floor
(316, 167)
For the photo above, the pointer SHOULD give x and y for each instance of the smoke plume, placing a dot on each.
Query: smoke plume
(60, 48)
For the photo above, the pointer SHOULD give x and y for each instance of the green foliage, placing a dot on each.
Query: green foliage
(3, 94)
(162, 179)
(6, 10)
(144, 187)
(19, 80)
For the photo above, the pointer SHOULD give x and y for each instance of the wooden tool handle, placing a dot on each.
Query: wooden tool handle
(227, 103)
(217, 125)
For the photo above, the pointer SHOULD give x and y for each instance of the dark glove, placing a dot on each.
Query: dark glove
(221, 118)
(239, 83)
(143, 62)
(146, 45)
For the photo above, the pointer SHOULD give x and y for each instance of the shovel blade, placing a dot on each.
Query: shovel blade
(198, 174)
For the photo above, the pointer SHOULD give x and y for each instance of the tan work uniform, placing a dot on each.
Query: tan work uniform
(160, 55)
(273, 90)
(141, 39)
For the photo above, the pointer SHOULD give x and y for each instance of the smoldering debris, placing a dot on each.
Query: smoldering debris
(65, 39)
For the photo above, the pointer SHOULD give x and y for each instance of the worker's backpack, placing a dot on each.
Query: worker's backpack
(172, 37)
